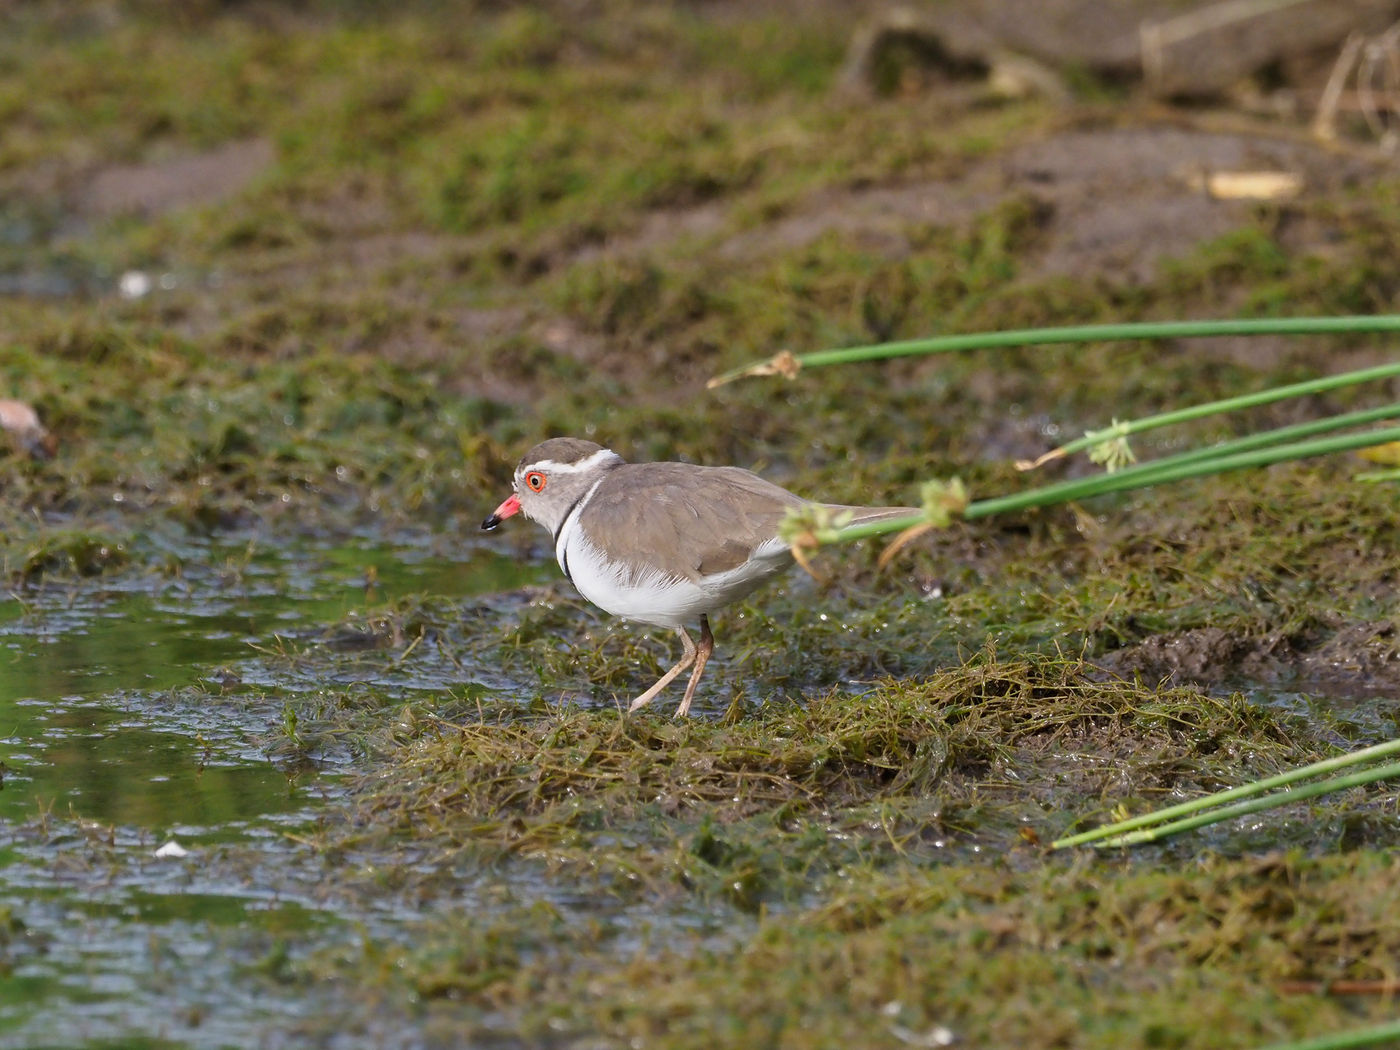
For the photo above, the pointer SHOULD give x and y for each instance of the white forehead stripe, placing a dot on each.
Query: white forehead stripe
(550, 466)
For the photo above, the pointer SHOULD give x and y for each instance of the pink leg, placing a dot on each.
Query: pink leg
(687, 658)
(702, 655)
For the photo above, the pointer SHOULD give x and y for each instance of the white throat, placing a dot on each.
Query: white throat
(569, 532)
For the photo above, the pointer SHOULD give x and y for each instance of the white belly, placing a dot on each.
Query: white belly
(651, 597)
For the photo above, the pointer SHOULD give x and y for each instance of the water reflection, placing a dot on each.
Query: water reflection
(110, 745)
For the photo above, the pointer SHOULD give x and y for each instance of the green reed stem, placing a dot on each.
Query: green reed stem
(1169, 815)
(1291, 432)
(1378, 1035)
(1143, 475)
(1082, 334)
(1230, 404)
(1239, 809)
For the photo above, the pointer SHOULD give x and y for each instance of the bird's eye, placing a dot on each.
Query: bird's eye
(535, 480)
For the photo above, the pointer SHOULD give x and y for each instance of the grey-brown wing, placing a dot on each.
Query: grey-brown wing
(685, 521)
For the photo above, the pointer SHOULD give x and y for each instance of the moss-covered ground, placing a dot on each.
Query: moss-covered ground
(315, 267)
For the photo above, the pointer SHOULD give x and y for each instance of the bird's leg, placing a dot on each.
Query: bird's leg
(702, 654)
(687, 657)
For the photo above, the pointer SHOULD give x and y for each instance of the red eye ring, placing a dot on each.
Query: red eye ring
(534, 481)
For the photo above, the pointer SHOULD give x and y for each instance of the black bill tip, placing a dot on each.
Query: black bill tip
(491, 522)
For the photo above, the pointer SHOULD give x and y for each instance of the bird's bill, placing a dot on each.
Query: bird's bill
(501, 513)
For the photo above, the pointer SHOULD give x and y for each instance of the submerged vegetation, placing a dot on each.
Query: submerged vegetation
(327, 270)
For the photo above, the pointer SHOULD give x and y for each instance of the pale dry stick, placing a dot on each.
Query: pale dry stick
(1324, 124)
(1376, 85)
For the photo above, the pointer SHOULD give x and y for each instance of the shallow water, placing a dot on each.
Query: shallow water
(111, 750)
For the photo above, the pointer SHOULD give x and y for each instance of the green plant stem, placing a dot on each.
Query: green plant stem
(1144, 475)
(1083, 334)
(1162, 471)
(1327, 765)
(1374, 1036)
(1239, 809)
(1230, 404)
(1371, 477)
(1291, 432)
